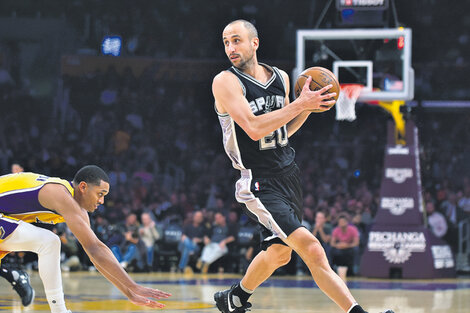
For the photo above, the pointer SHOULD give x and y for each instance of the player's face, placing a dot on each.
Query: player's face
(239, 48)
(93, 195)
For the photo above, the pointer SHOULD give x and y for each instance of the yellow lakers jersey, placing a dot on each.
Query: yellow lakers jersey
(19, 197)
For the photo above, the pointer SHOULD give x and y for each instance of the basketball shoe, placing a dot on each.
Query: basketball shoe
(22, 286)
(225, 302)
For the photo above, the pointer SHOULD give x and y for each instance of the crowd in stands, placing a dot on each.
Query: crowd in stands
(171, 205)
(165, 29)
(172, 186)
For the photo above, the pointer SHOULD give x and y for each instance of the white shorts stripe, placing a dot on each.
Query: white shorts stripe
(244, 195)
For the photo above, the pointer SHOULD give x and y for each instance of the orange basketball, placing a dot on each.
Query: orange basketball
(320, 78)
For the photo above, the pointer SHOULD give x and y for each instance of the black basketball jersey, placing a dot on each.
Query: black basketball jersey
(271, 154)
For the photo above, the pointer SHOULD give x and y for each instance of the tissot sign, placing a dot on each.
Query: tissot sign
(398, 240)
(362, 4)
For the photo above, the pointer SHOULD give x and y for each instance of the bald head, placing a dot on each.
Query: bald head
(252, 32)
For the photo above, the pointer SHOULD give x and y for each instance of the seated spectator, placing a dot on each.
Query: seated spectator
(191, 240)
(215, 246)
(149, 235)
(248, 244)
(129, 243)
(436, 221)
(69, 248)
(453, 214)
(452, 211)
(322, 231)
(464, 201)
(344, 240)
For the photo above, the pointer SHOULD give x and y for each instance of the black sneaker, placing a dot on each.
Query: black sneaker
(225, 305)
(388, 311)
(23, 288)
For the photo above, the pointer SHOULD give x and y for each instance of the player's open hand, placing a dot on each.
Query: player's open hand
(141, 295)
(317, 100)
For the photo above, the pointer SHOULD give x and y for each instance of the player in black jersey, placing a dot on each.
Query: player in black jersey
(252, 102)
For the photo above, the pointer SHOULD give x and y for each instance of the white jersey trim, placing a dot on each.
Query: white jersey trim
(230, 142)
(11, 192)
(255, 81)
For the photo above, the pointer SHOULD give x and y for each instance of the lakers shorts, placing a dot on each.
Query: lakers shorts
(7, 227)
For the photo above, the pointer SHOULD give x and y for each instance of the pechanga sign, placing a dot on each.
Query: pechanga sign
(397, 247)
(398, 175)
(397, 206)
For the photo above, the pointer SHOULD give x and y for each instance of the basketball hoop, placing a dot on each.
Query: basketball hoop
(346, 103)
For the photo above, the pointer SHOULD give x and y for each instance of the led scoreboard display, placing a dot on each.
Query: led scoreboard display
(362, 4)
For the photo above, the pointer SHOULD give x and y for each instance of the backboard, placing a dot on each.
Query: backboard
(378, 58)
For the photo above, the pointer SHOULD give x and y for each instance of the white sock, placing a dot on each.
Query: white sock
(56, 301)
(246, 289)
(352, 306)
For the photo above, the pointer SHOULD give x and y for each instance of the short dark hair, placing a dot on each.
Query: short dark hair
(248, 25)
(91, 174)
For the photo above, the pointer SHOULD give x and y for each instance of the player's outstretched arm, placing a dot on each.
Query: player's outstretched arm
(57, 198)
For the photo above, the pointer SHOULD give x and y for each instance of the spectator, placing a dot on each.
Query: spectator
(149, 235)
(129, 242)
(452, 211)
(69, 248)
(464, 201)
(322, 231)
(16, 168)
(248, 244)
(216, 246)
(344, 240)
(436, 221)
(191, 240)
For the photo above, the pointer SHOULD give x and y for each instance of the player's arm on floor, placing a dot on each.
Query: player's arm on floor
(56, 197)
(229, 99)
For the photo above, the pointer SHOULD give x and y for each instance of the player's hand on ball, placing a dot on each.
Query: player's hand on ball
(317, 101)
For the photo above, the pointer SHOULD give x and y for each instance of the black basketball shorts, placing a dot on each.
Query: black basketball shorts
(275, 202)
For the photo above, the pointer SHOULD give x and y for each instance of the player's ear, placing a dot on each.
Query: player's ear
(82, 186)
(255, 42)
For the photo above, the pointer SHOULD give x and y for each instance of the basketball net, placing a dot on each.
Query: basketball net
(346, 103)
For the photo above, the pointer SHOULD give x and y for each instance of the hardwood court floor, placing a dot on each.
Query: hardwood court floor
(90, 292)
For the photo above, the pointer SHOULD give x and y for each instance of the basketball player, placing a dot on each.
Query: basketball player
(252, 102)
(30, 197)
(18, 278)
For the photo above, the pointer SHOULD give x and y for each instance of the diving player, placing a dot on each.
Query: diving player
(30, 197)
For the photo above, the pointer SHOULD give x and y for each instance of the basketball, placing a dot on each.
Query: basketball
(320, 78)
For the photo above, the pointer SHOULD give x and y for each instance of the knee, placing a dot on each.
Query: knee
(281, 256)
(50, 244)
(285, 257)
(314, 253)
